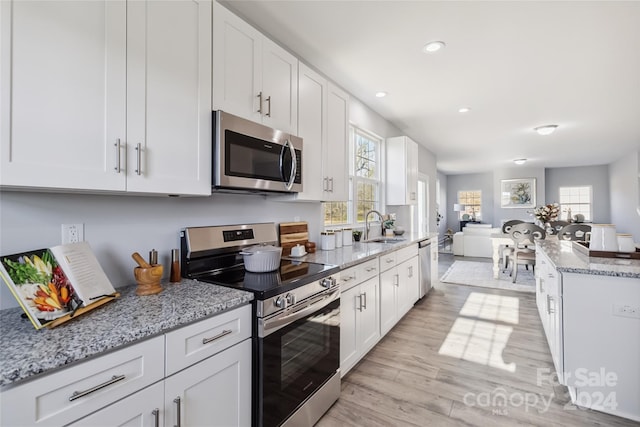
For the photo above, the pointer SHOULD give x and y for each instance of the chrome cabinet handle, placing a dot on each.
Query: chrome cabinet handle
(79, 394)
(117, 145)
(359, 308)
(389, 260)
(156, 417)
(268, 114)
(260, 103)
(549, 310)
(138, 159)
(541, 288)
(396, 280)
(220, 335)
(325, 183)
(411, 271)
(177, 402)
(331, 186)
(370, 269)
(364, 306)
(348, 278)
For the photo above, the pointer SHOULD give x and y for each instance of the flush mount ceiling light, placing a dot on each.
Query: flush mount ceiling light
(381, 94)
(433, 47)
(546, 129)
(520, 161)
(464, 110)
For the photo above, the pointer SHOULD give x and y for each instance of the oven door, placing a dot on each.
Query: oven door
(296, 359)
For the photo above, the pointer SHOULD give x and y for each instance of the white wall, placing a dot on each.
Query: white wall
(624, 182)
(117, 226)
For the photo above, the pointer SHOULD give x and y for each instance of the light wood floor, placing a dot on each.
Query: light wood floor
(451, 358)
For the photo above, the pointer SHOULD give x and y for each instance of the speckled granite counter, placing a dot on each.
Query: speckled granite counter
(27, 352)
(359, 252)
(567, 259)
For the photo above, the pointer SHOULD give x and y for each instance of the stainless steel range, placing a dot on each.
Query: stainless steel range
(296, 375)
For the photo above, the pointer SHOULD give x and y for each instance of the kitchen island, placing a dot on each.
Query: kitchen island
(590, 311)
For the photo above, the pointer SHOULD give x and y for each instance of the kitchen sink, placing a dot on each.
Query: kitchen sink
(385, 240)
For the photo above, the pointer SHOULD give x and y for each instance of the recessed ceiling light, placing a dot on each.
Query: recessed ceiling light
(520, 161)
(381, 94)
(464, 110)
(546, 129)
(433, 47)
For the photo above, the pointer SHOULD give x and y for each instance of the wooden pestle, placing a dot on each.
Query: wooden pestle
(141, 261)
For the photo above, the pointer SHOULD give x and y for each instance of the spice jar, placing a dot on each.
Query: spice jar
(327, 241)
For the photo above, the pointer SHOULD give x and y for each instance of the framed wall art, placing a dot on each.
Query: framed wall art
(518, 193)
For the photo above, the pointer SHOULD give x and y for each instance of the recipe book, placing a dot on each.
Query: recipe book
(54, 282)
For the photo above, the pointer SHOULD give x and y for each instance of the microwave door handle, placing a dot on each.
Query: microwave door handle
(294, 163)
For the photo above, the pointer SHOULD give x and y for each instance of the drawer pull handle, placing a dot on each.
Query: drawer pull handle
(347, 278)
(220, 335)
(79, 394)
(389, 260)
(156, 417)
(370, 269)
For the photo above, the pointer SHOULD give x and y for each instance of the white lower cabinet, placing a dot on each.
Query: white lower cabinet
(399, 285)
(359, 320)
(214, 392)
(131, 387)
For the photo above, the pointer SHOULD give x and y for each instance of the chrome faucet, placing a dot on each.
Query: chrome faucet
(366, 223)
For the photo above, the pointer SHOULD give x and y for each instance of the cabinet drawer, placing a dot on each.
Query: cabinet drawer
(188, 345)
(406, 253)
(360, 273)
(388, 261)
(70, 394)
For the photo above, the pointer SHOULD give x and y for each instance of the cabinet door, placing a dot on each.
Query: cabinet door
(412, 172)
(388, 298)
(402, 171)
(335, 152)
(312, 128)
(63, 101)
(168, 97)
(237, 59)
(214, 392)
(141, 409)
(350, 308)
(369, 322)
(408, 291)
(279, 88)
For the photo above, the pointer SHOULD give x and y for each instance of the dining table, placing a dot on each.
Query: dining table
(500, 239)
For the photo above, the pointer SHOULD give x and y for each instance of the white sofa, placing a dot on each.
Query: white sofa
(474, 240)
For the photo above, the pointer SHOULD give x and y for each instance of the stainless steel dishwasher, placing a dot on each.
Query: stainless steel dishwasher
(424, 252)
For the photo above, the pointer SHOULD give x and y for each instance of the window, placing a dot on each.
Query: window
(472, 201)
(578, 199)
(364, 181)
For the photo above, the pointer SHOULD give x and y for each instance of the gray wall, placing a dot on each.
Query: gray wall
(595, 176)
(469, 182)
(624, 184)
(504, 214)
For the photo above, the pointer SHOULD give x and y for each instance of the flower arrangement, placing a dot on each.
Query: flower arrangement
(547, 213)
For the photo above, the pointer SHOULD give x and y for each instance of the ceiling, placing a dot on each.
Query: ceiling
(516, 64)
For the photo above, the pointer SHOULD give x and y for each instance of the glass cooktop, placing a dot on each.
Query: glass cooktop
(290, 275)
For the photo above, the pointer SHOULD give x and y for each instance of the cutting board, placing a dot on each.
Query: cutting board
(291, 234)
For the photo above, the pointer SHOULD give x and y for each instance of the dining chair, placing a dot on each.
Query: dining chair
(553, 227)
(524, 236)
(574, 232)
(505, 250)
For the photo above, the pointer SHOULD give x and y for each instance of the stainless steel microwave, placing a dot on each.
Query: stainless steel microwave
(253, 157)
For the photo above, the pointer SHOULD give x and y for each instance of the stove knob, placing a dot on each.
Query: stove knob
(291, 299)
(280, 302)
(329, 282)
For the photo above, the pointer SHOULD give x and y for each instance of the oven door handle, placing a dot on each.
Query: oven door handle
(268, 326)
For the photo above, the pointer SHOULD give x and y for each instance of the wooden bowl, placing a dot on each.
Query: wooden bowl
(148, 279)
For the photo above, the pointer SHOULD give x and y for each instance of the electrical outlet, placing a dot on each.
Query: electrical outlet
(72, 233)
(626, 310)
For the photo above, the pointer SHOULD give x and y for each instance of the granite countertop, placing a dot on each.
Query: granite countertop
(359, 252)
(27, 352)
(566, 258)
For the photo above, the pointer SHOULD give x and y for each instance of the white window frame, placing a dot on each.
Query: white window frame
(563, 205)
(467, 208)
(378, 181)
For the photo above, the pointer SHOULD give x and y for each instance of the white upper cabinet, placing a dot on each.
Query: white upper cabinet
(335, 154)
(63, 81)
(254, 78)
(402, 171)
(106, 96)
(168, 97)
(312, 128)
